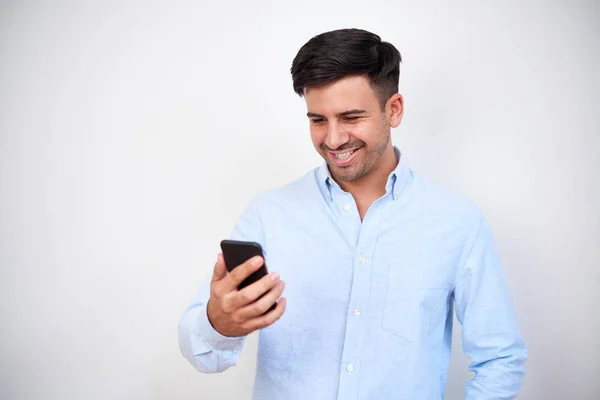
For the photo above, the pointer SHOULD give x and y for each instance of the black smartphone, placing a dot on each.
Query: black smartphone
(237, 252)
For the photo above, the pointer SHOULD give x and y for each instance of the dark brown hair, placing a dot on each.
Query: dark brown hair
(334, 55)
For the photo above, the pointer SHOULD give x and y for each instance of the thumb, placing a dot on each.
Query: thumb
(220, 271)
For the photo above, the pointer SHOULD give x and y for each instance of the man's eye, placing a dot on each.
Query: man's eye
(350, 119)
(317, 121)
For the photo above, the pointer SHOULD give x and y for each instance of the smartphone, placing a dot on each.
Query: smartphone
(237, 252)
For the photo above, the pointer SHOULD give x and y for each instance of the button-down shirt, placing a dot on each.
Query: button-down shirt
(370, 303)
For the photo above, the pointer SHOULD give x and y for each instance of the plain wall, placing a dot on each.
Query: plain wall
(132, 135)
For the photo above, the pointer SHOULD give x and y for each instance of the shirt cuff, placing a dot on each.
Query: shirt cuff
(210, 338)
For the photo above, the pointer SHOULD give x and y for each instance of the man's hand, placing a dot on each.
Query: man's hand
(234, 312)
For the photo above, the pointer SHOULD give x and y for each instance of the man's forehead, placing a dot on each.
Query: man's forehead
(352, 93)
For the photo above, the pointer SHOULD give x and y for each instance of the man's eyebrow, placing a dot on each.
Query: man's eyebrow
(342, 114)
(350, 112)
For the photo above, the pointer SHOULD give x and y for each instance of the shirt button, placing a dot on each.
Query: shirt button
(350, 368)
(362, 259)
(396, 194)
(347, 207)
(356, 312)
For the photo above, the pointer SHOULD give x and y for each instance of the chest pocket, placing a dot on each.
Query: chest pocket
(410, 311)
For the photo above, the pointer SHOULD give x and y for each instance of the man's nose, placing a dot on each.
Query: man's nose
(336, 136)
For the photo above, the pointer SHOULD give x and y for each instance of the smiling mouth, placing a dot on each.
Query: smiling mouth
(345, 155)
(344, 158)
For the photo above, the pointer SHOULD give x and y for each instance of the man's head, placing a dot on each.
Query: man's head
(349, 79)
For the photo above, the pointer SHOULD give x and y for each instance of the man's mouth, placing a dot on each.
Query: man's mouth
(344, 158)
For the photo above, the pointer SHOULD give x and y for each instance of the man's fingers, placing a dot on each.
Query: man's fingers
(250, 293)
(268, 318)
(241, 272)
(260, 306)
(220, 270)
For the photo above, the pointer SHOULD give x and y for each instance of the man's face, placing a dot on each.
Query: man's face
(347, 126)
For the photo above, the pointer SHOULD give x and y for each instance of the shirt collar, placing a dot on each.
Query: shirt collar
(396, 182)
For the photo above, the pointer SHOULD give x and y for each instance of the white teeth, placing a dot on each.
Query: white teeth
(343, 156)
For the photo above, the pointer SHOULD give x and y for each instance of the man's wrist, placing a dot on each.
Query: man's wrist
(211, 333)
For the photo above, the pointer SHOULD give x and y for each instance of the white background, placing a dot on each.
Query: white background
(133, 134)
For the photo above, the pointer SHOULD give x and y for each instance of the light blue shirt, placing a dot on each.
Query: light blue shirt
(370, 305)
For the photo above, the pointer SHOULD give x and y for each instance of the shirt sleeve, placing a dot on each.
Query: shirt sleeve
(491, 337)
(206, 349)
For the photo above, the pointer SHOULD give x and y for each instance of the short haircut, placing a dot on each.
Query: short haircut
(334, 55)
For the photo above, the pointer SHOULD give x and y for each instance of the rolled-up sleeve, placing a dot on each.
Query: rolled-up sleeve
(205, 348)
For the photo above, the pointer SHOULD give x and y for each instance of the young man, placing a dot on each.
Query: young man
(375, 257)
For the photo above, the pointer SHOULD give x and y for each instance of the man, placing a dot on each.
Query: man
(374, 256)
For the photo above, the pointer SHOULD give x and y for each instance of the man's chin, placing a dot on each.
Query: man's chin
(343, 174)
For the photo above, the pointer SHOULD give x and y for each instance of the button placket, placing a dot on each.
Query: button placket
(357, 312)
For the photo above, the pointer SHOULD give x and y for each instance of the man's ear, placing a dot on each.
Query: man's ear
(394, 110)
